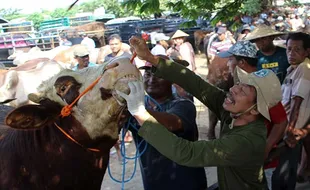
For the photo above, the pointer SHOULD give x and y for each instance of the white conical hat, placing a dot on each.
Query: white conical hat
(179, 34)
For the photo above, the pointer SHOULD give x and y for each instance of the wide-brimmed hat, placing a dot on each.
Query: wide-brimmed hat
(268, 88)
(179, 34)
(263, 31)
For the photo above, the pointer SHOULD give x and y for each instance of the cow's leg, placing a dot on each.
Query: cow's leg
(212, 124)
(197, 43)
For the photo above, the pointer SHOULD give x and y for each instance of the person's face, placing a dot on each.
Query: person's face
(83, 61)
(156, 87)
(240, 98)
(232, 63)
(295, 52)
(246, 31)
(115, 45)
(178, 41)
(221, 37)
(264, 44)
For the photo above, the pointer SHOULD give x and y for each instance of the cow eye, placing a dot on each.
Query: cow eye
(63, 88)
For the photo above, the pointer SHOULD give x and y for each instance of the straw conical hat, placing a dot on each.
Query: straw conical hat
(262, 31)
(179, 34)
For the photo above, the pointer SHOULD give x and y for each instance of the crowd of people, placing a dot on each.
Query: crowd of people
(264, 106)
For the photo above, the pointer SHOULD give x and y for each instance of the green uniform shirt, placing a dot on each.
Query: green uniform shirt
(238, 153)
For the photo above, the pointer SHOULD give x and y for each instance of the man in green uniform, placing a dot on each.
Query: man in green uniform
(239, 152)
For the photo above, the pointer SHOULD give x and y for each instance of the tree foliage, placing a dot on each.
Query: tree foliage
(225, 10)
(36, 18)
(10, 13)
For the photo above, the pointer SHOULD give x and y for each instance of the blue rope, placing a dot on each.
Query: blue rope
(133, 125)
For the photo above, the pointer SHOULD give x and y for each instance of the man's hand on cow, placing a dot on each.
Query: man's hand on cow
(294, 136)
(135, 99)
(140, 47)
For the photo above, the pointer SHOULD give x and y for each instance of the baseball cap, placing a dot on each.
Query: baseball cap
(81, 51)
(268, 88)
(240, 48)
(161, 36)
(221, 30)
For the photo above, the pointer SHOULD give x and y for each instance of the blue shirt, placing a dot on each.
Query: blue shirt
(277, 62)
(159, 172)
(75, 68)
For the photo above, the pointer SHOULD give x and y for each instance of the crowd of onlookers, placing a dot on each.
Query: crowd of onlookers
(285, 109)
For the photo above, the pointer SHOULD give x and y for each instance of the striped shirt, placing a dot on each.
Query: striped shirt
(220, 46)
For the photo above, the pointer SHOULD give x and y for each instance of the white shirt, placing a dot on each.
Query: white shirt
(158, 50)
(297, 83)
(89, 43)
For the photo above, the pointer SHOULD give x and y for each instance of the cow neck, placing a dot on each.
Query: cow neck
(73, 130)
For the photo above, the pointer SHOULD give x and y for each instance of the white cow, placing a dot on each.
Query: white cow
(17, 84)
(21, 57)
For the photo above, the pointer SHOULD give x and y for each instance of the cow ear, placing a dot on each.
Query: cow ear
(30, 117)
(11, 80)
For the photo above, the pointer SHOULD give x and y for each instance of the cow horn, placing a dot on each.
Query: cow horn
(34, 97)
(7, 101)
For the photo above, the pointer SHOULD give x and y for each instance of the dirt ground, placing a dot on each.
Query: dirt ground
(136, 182)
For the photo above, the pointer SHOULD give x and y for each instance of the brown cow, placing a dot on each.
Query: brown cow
(42, 150)
(199, 35)
(220, 76)
(97, 35)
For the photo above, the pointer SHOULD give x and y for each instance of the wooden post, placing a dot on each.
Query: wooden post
(13, 42)
(52, 45)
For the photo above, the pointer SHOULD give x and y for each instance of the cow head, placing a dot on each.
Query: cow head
(98, 111)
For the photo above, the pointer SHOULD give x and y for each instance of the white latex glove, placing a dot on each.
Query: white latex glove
(135, 99)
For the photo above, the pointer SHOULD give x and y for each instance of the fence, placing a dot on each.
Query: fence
(12, 41)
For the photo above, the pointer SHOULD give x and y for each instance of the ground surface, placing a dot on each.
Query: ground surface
(136, 182)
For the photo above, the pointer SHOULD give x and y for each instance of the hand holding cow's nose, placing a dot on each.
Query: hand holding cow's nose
(141, 49)
(135, 99)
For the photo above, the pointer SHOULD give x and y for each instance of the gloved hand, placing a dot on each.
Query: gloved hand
(135, 99)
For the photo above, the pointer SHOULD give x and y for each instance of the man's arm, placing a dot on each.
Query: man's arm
(180, 117)
(170, 121)
(294, 113)
(167, 69)
(279, 121)
(209, 95)
(233, 150)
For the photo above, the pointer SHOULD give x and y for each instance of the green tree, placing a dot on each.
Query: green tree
(36, 18)
(11, 13)
(225, 10)
(62, 12)
(252, 7)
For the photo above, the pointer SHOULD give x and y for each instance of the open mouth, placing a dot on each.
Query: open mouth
(229, 99)
(120, 84)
